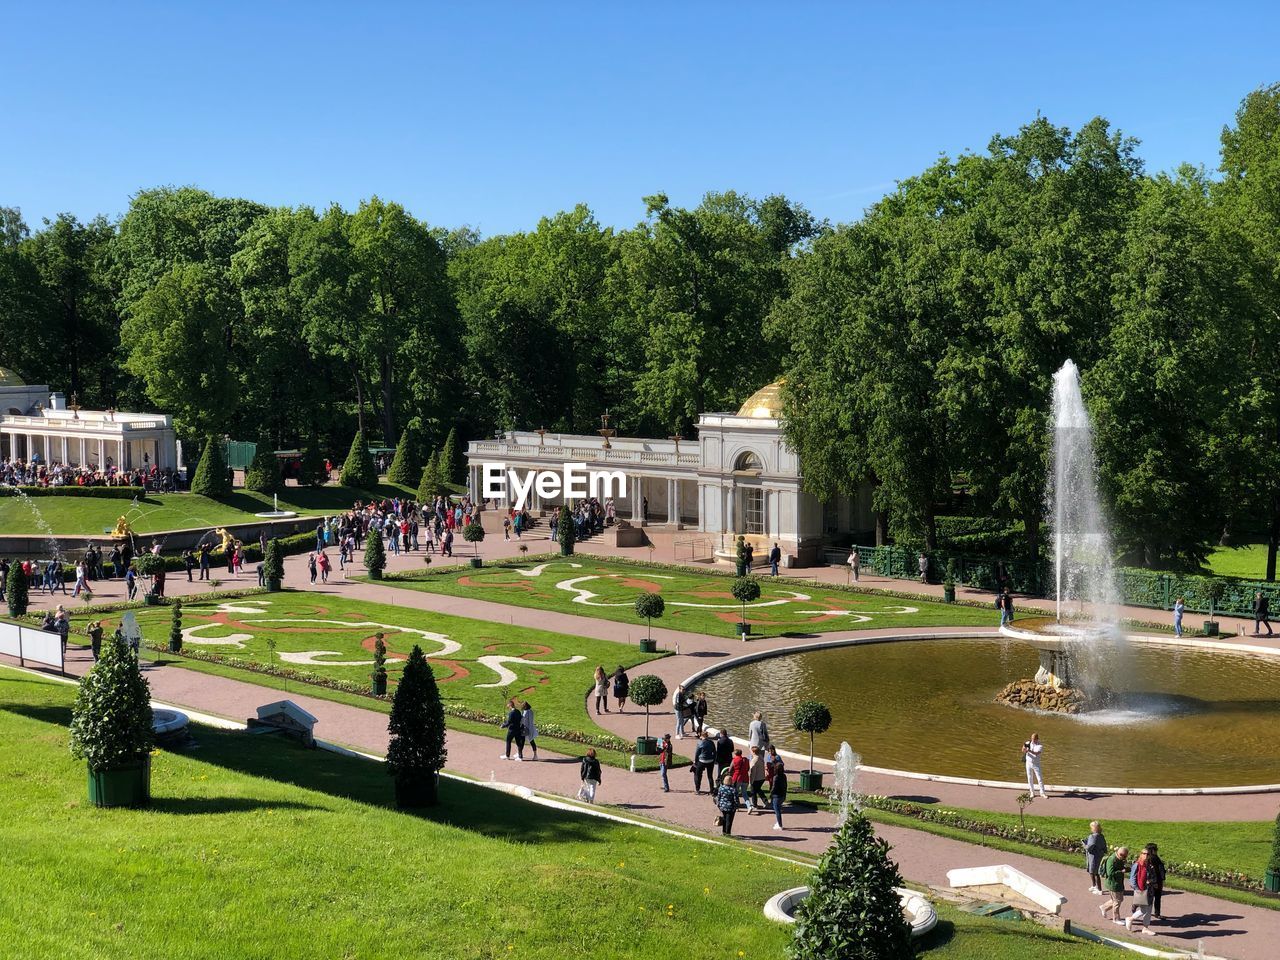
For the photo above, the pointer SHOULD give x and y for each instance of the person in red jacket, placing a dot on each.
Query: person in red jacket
(740, 776)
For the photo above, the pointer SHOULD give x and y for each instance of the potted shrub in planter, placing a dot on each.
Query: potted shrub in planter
(1271, 880)
(649, 605)
(149, 565)
(811, 717)
(175, 628)
(565, 534)
(745, 590)
(379, 675)
(416, 751)
(647, 691)
(375, 556)
(111, 729)
(473, 533)
(273, 565)
(1214, 590)
(949, 583)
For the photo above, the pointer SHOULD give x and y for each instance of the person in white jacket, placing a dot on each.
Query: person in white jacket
(1031, 751)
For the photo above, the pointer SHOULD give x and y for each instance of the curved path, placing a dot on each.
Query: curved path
(697, 651)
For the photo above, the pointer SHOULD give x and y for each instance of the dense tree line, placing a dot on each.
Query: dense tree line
(923, 338)
(918, 343)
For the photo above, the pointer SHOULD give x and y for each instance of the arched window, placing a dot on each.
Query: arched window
(748, 462)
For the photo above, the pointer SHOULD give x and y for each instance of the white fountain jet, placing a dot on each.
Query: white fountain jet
(1083, 573)
(1084, 579)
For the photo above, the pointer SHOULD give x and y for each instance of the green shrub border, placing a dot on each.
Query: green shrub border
(102, 493)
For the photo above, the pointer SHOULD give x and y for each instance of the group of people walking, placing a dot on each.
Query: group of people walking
(1109, 872)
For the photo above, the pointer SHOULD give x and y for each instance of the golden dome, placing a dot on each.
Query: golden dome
(10, 379)
(765, 403)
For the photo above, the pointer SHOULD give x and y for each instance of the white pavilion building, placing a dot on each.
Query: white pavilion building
(738, 477)
(37, 422)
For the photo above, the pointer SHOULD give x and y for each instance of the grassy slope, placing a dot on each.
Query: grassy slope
(620, 584)
(556, 692)
(256, 848)
(176, 511)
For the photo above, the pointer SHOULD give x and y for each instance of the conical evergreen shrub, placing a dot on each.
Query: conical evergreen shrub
(416, 752)
(212, 478)
(359, 471)
(263, 475)
(852, 911)
(406, 465)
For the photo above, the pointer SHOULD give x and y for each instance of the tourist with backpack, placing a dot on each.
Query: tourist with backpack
(589, 772)
(1113, 873)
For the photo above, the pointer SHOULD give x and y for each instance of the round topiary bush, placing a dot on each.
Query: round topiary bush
(745, 590)
(852, 911)
(811, 717)
(111, 727)
(649, 606)
(647, 691)
(473, 533)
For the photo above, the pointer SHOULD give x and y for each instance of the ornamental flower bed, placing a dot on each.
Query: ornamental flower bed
(553, 730)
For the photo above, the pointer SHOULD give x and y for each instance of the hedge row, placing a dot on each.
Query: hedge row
(1235, 879)
(103, 493)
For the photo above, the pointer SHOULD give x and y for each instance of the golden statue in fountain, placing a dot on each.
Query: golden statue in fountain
(122, 530)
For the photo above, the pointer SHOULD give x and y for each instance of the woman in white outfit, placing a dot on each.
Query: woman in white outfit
(1032, 750)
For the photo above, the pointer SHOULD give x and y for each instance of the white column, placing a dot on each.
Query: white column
(637, 497)
(673, 502)
(102, 453)
(64, 449)
(81, 462)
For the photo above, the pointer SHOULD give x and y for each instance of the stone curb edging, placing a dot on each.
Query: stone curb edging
(758, 655)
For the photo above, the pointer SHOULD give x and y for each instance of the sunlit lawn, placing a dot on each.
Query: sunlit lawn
(174, 511)
(257, 848)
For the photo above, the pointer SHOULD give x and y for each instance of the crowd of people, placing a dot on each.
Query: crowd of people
(38, 473)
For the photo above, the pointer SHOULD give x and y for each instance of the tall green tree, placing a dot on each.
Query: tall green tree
(22, 300)
(1249, 199)
(80, 321)
(697, 285)
(178, 347)
(1162, 418)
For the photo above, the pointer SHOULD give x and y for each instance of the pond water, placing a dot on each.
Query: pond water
(1185, 718)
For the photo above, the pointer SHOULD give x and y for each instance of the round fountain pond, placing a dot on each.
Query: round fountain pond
(1182, 717)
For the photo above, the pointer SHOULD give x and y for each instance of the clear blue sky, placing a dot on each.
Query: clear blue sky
(493, 114)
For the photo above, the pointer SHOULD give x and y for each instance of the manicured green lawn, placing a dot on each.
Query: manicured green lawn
(697, 602)
(1248, 561)
(1236, 846)
(257, 848)
(478, 664)
(176, 511)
